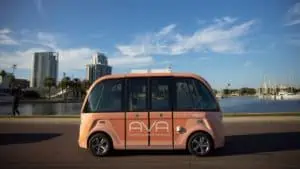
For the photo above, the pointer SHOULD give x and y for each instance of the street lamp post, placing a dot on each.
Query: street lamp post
(14, 67)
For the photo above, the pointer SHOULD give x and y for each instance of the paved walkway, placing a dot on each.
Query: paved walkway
(76, 119)
(40, 143)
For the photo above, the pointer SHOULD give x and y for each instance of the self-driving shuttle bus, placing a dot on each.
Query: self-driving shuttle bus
(151, 111)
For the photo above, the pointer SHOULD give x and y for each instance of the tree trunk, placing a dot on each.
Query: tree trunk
(49, 92)
(63, 94)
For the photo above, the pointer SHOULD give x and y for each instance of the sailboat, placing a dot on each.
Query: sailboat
(283, 95)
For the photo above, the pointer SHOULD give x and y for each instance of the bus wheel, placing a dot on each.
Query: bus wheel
(100, 144)
(200, 144)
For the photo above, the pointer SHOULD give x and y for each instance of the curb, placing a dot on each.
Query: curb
(260, 114)
(224, 115)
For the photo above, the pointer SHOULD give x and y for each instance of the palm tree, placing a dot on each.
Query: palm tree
(11, 78)
(49, 82)
(72, 87)
(85, 84)
(76, 85)
(14, 67)
(64, 84)
(3, 74)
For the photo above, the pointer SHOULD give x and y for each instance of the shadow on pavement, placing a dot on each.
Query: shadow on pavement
(237, 145)
(149, 153)
(22, 138)
(258, 143)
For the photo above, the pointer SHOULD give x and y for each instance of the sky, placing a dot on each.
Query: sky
(233, 41)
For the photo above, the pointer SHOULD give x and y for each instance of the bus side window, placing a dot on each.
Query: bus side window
(105, 97)
(191, 95)
(137, 94)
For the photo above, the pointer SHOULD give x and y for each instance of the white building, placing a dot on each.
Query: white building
(98, 68)
(4, 82)
(45, 64)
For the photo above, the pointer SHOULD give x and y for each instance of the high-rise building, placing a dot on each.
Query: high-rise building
(99, 58)
(45, 64)
(98, 68)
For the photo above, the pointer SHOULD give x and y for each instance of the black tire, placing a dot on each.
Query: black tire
(100, 144)
(200, 144)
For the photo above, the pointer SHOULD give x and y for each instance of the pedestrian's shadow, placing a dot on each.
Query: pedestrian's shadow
(258, 143)
(22, 138)
(237, 145)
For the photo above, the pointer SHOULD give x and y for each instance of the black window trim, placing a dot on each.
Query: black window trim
(175, 109)
(170, 82)
(126, 98)
(108, 111)
(172, 95)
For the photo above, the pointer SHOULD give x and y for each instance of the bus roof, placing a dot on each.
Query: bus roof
(151, 74)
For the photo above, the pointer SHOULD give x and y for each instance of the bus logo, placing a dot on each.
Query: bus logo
(139, 126)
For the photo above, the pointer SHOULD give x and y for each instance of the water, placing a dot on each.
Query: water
(228, 105)
(250, 104)
(44, 109)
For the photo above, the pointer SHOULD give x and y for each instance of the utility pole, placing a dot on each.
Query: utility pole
(14, 67)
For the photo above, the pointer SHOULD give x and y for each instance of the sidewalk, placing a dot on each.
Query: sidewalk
(76, 119)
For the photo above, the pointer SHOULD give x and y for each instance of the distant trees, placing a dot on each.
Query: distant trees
(247, 91)
(3, 74)
(49, 82)
(230, 91)
(76, 86)
(226, 92)
(297, 90)
(85, 84)
(11, 78)
(241, 91)
(215, 91)
(64, 84)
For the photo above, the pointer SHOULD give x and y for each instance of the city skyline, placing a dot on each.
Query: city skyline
(45, 64)
(98, 67)
(238, 43)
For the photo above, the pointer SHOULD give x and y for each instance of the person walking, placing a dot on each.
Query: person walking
(16, 101)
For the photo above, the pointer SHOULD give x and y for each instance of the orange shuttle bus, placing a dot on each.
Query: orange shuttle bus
(150, 111)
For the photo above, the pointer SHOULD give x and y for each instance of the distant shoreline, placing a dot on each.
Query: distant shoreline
(51, 101)
(237, 114)
(33, 101)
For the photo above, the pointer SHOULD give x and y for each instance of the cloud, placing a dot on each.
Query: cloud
(224, 20)
(293, 15)
(248, 63)
(203, 58)
(5, 39)
(70, 59)
(5, 31)
(131, 62)
(201, 21)
(215, 38)
(132, 50)
(293, 39)
(39, 6)
(166, 30)
(47, 39)
(44, 39)
(23, 58)
(223, 36)
(96, 35)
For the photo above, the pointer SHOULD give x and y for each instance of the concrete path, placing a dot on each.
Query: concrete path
(52, 143)
(76, 119)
